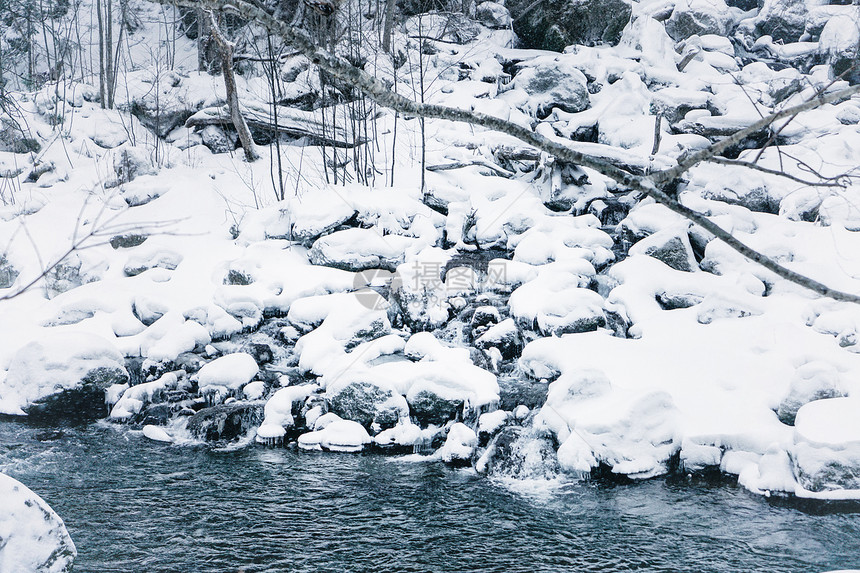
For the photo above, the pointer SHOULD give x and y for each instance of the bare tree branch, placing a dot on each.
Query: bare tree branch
(720, 146)
(777, 172)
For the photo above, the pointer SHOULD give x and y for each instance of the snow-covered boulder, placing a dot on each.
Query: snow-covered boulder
(812, 381)
(227, 373)
(490, 424)
(504, 336)
(672, 246)
(493, 15)
(553, 83)
(218, 139)
(784, 20)
(359, 249)
(134, 399)
(33, 538)
(839, 43)
(459, 445)
(308, 217)
(333, 434)
(279, 410)
(699, 17)
(634, 433)
(62, 376)
(555, 303)
(826, 450)
(130, 161)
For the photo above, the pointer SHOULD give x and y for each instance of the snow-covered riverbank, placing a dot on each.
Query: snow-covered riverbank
(199, 303)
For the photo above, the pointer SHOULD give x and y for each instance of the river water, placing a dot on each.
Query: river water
(133, 505)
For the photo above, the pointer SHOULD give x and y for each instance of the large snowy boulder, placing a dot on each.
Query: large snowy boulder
(839, 44)
(812, 381)
(699, 17)
(634, 433)
(279, 412)
(62, 376)
(332, 434)
(33, 538)
(227, 374)
(555, 303)
(493, 15)
(358, 250)
(560, 23)
(784, 20)
(827, 445)
(553, 83)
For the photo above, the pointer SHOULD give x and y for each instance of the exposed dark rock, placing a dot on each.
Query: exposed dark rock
(127, 241)
(430, 408)
(82, 403)
(366, 403)
(226, 421)
(218, 139)
(555, 24)
(783, 20)
(8, 273)
(670, 246)
(262, 353)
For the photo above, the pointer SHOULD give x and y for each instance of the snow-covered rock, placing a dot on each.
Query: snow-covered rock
(493, 15)
(672, 246)
(33, 538)
(826, 450)
(553, 84)
(556, 303)
(560, 24)
(699, 17)
(226, 421)
(62, 375)
(227, 373)
(333, 434)
(459, 445)
(359, 249)
(812, 381)
(366, 401)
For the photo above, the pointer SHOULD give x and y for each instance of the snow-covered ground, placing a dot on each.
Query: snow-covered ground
(657, 347)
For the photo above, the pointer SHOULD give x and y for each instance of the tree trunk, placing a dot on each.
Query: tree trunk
(226, 48)
(102, 91)
(389, 25)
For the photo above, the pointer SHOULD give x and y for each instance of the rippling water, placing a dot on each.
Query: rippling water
(135, 505)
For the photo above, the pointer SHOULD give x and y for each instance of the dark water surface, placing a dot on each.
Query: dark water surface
(139, 506)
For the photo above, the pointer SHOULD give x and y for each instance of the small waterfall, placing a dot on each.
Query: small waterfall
(523, 453)
(424, 445)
